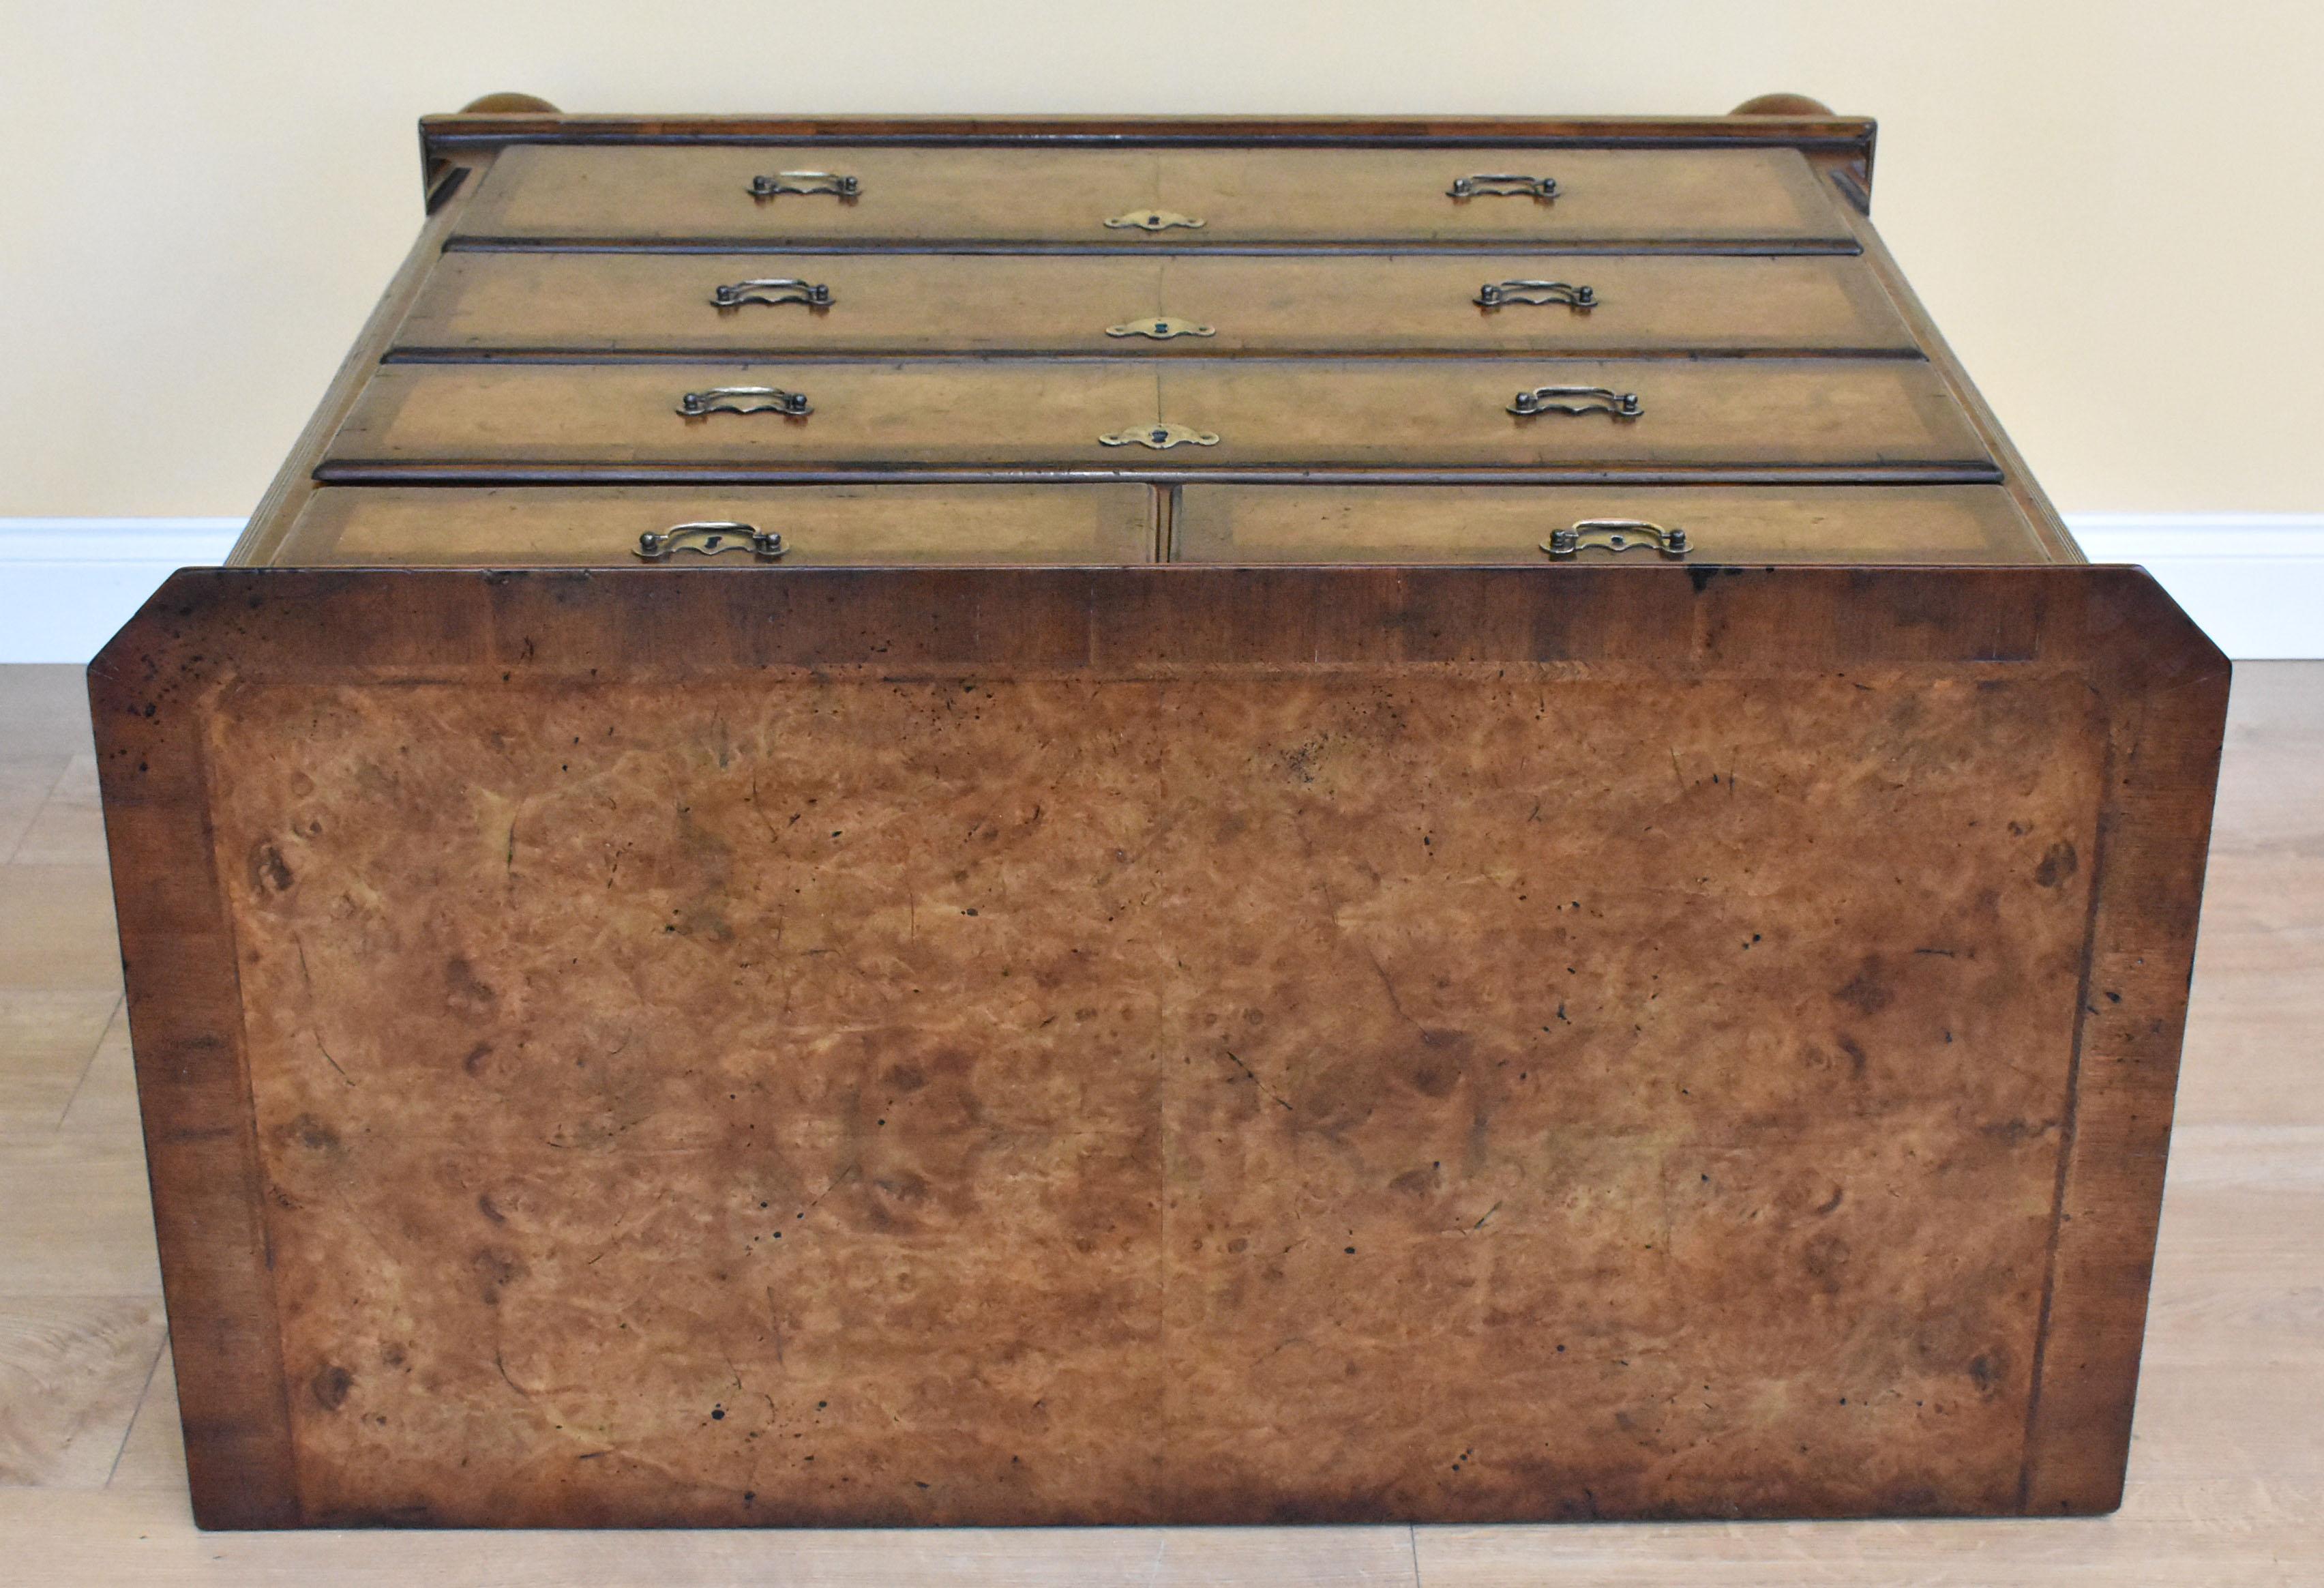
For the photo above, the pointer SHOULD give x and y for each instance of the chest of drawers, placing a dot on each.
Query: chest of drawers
(1193, 821)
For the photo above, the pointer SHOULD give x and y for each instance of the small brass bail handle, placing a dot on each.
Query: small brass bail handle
(1535, 294)
(744, 400)
(1502, 186)
(1544, 400)
(708, 538)
(772, 290)
(835, 183)
(1618, 535)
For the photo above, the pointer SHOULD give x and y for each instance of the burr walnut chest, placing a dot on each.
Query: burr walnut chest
(962, 821)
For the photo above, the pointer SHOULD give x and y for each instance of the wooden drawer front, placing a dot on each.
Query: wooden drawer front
(1865, 416)
(1178, 305)
(1510, 524)
(1663, 197)
(526, 526)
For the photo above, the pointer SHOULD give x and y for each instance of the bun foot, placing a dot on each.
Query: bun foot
(1782, 105)
(524, 105)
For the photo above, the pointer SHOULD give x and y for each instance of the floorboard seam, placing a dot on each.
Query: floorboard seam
(153, 1370)
(89, 1064)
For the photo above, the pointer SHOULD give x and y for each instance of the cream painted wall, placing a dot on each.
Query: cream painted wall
(2112, 206)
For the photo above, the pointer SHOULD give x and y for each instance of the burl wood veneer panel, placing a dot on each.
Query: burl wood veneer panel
(811, 1045)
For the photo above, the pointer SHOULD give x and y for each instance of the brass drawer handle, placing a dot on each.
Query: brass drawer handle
(1160, 438)
(1502, 294)
(806, 181)
(1502, 186)
(717, 399)
(1161, 328)
(1617, 534)
(1576, 400)
(1152, 220)
(772, 290)
(709, 538)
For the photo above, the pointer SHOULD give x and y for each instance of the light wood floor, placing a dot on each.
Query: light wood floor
(2226, 1479)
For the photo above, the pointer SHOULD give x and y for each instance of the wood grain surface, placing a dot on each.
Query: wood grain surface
(934, 1116)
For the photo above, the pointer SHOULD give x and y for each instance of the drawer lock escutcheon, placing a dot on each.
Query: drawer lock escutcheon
(1535, 294)
(1618, 534)
(1576, 400)
(1161, 328)
(744, 400)
(833, 182)
(1486, 186)
(772, 290)
(1161, 437)
(709, 538)
(1152, 221)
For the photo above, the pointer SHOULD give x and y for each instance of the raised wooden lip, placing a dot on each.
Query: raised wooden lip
(2160, 683)
(1849, 138)
(362, 471)
(491, 129)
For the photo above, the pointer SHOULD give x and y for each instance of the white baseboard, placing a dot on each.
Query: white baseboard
(2254, 581)
(66, 584)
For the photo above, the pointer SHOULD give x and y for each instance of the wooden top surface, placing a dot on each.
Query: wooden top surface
(1507, 1144)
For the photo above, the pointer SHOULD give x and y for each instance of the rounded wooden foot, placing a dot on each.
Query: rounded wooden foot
(1794, 104)
(510, 104)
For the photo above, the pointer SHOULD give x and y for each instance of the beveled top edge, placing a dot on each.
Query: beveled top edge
(467, 129)
(203, 627)
(1847, 139)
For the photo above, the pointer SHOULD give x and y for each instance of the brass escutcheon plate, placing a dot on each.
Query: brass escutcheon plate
(1152, 221)
(1161, 328)
(1161, 437)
